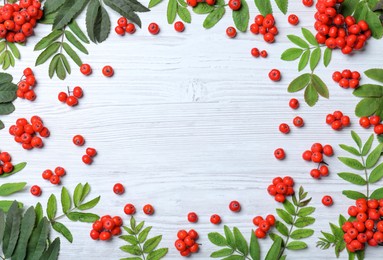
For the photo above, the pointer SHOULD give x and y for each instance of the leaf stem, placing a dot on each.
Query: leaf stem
(63, 215)
(62, 40)
(365, 174)
(139, 245)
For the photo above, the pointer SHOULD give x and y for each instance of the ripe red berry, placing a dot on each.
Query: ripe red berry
(91, 152)
(129, 209)
(235, 4)
(308, 3)
(85, 69)
(315, 173)
(259, 233)
(36, 190)
(280, 198)
(235, 206)
(375, 120)
(62, 97)
(130, 28)
(327, 150)
(215, 219)
(182, 234)
(307, 155)
(72, 101)
(294, 103)
(298, 121)
(95, 235)
(180, 245)
(179, 26)
(231, 32)
(153, 28)
(87, 159)
(107, 71)
(55, 179)
(264, 54)
(105, 235)
(78, 140)
(118, 188)
(324, 170)
(293, 19)
(284, 128)
(60, 171)
(77, 92)
(148, 209)
(279, 154)
(275, 75)
(327, 201)
(255, 52)
(47, 174)
(122, 22)
(192, 217)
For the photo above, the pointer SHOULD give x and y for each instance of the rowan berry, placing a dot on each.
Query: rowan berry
(37, 142)
(298, 121)
(118, 188)
(60, 171)
(378, 129)
(35, 190)
(77, 92)
(194, 248)
(185, 253)
(279, 154)
(215, 219)
(129, 209)
(264, 226)
(327, 201)
(55, 179)
(275, 75)
(30, 95)
(231, 32)
(95, 235)
(91, 152)
(153, 27)
(107, 71)
(330, 119)
(108, 224)
(375, 120)
(122, 22)
(182, 234)
(105, 235)
(294, 103)
(78, 140)
(271, 189)
(308, 3)
(179, 26)
(307, 155)
(211, 2)
(189, 241)
(345, 120)
(47, 174)
(87, 159)
(235, 4)
(315, 173)
(317, 157)
(264, 54)
(269, 37)
(97, 225)
(257, 220)
(116, 231)
(327, 150)
(336, 125)
(280, 198)
(235, 206)
(255, 52)
(337, 76)
(72, 101)
(148, 209)
(62, 97)
(293, 19)
(120, 31)
(130, 28)
(259, 233)
(180, 245)
(324, 170)
(192, 217)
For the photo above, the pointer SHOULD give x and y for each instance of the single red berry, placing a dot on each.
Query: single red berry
(279, 154)
(62, 97)
(275, 75)
(122, 22)
(179, 26)
(119, 30)
(180, 245)
(153, 28)
(91, 152)
(234, 4)
(95, 235)
(337, 76)
(259, 233)
(324, 170)
(315, 173)
(47, 174)
(294, 103)
(72, 101)
(327, 201)
(129, 209)
(36, 190)
(235, 206)
(78, 140)
(85, 69)
(270, 219)
(97, 225)
(87, 159)
(193, 234)
(117, 221)
(264, 54)
(107, 71)
(105, 235)
(118, 188)
(298, 121)
(327, 150)
(77, 92)
(189, 241)
(55, 179)
(148, 209)
(330, 119)
(130, 28)
(182, 234)
(284, 128)
(231, 32)
(28, 72)
(307, 155)
(60, 171)
(308, 3)
(375, 120)
(192, 217)
(108, 224)
(317, 157)
(215, 219)
(257, 220)
(194, 248)
(345, 120)
(255, 52)
(280, 198)
(293, 19)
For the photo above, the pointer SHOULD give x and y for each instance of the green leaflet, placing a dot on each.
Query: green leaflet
(73, 40)
(67, 12)
(264, 7)
(375, 74)
(9, 188)
(63, 230)
(11, 230)
(26, 228)
(241, 17)
(153, 3)
(203, 8)
(172, 11)
(311, 95)
(214, 17)
(282, 5)
(73, 26)
(291, 54)
(184, 14)
(299, 83)
(47, 53)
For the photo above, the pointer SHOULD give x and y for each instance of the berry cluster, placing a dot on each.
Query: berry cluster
(346, 78)
(5, 163)
(123, 26)
(106, 227)
(186, 242)
(315, 154)
(35, 190)
(17, 20)
(256, 53)
(337, 31)
(26, 133)
(26, 85)
(54, 177)
(130, 209)
(337, 120)
(194, 3)
(265, 25)
(263, 225)
(374, 120)
(280, 188)
(367, 227)
(71, 99)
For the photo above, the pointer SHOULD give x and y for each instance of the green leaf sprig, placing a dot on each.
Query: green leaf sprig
(335, 238)
(308, 53)
(8, 53)
(138, 243)
(367, 161)
(264, 6)
(7, 95)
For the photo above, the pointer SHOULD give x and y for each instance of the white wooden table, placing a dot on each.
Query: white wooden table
(189, 122)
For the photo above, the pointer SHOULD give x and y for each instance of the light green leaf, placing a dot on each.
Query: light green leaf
(52, 207)
(377, 194)
(222, 253)
(229, 237)
(356, 139)
(144, 234)
(352, 163)
(299, 83)
(203, 8)
(304, 60)
(65, 200)
(282, 5)
(327, 57)
(14, 50)
(282, 228)
(184, 14)
(350, 149)
(367, 146)
(285, 216)
(172, 11)
(63, 230)
(298, 41)
(304, 221)
(352, 178)
(151, 244)
(10, 188)
(374, 156)
(311, 95)
(376, 174)
(291, 54)
(354, 195)
(153, 3)
(255, 250)
(274, 250)
(375, 74)
(264, 7)
(77, 194)
(301, 233)
(217, 239)
(315, 58)
(157, 254)
(241, 17)
(309, 37)
(90, 204)
(296, 245)
(214, 17)
(304, 212)
(240, 241)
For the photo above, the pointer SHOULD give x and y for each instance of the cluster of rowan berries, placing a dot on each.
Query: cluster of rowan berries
(123, 26)
(87, 158)
(17, 20)
(106, 227)
(186, 242)
(367, 227)
(265, 25)
(26, 85)
(130, 209)
(5, 163)
(256, 53)
(374, 120)
(71, 99)
(346, 78)
(337, 31)
(280, 188)
(337, 120)
(315, 154)
(263, 225)
(26, 133)
(54, 177)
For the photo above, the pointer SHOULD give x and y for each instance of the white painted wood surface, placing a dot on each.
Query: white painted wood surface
(189, 122)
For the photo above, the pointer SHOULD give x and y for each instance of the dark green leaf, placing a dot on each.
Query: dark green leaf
(354, 195)
(291, 54)
(356, 139)
(315, 58)
(311, 95)
(133, 223)
(157, 254)
(6, 109)
(9, 188)
(299, 83)
(184, 14)
(63, 230)
(319, 86)
(304, 203)
(172, 11)
(52, 6)
(38, 240)
(229, 237)
(301, 233)
(203, 8)
(282, 228)
(352, 178)
(375, 74)
(47, 53)
(285, 216)
(1, 125)
(72, 53)
(5, 205)
(26, 228)
(350, 149)
(151, 244)
(274, 250)
(264, 7)
(374, 24)
(367, 145)
(327, 57)
(11, 230)
(73, 40)
(123, 8)
(53, 65)
(241, 17)
(304, 221)
(77, 31)
(296, 245)
(2, 224)
(214, 17)
(255, 250)
(39, 212)
(5, 78)
(92, 13)
(65, 62)
(60, 69)
(69, 11)
(348, 7)
(282, 5)
(8, 92)
(217, 239)
(234, 257)
(374, 156)
(352, 163)
(52, 253)
(240, 241)
(376, 174)
(222, 253)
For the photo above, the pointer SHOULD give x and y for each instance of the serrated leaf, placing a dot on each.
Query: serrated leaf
(376, 174)
(315, 58)
(144, 234)
(133, 223)
(53, 65)
(352, 178)
(222, 253)
(289, 207)
(85, 191)
(153, 3)
(291, 54)
(327, 56)
(311, 95)
(65, 200)
(298, 41)
(301, 233)
(124, 9)
(10, 188)
(139, 227)
(285, 216)
(374, 156)
(151, 244)
(367, 146)
(319, 86)
(377, 194)
(356, 139)
(282, 228)
(53, 250)
(47, 53)
(83, 217)
(39, 212)
(60, 69)
(374, 24)
(296, 245)
(282, 5)
(217, 239)
(11, 230)
(375, 74)
(240, 241)
(241, 17)
(255, 250)
(303, 212)
(172, 11)
(77, 31)
(73, 40)
(92, 13)
(38, 240)
(184, 14)
(157, 254)
(90, 204)
(65, 62)
(133, 250)
(5, 78)
(130, 231)
(51, 6)
(214, 17)
(51, 207)
(63, 230)
(352, 163)
(264, 7)
(304, 222)
(274, 250)
(26, 228)
(309, 37)
(77, 194)
(203, 8)
(354, 195)
(131, 239)
(350, 149)
(229, 237)
(69, 50)
(299, 83)
(304, 60)
(14, 49)
(69, 10)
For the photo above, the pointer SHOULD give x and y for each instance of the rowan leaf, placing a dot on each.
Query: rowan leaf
(299, 83)
(291, 54)
(352, 178)
(352, 163)
(217, 239)
(63, 230)
(214, 17)
(264, 7)
(172, 11)
(354, 195)
(298, 41)
(327, 56)
(375, 74)
(241, 17)
(311, 95)
(240, 241)
(47, 53)
(10, 188)
(309, 37)
(67, 12)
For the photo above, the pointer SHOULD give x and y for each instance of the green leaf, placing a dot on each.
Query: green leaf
(304, 60)
(90, 204)
(299, 83)
(2, 224)
(144, 234)
(285, 216)
(304, 221)
(157, 254)
(133, 250)
(203, 8)
(153, 3)
(350, 149)
(217, 239)
(14, 50)
(229, 237)
(124, 8)
(60, 69)
(309, 37)
(241, 17)
(327, 56)
(133, 223)
(52, 6)
(303, 212)
(368, 90)
(151, 244)
(356, 139)
(72, 39)
(330, 237)
(69, 11)
(77, 194)
(72, 54)
(375, 74)
(65, 62)
(5, 205)
(52, 253)
(131, 239)
(291, 54)
(8, 92)
(65, 200)
(298, 41)
(367, 145)
(282, 228)
(222, 253)
(289, 207)
(352, 178)
(39, 212)
(354, 195)
(255, 250)
(240, 241)
(5, 78)
(234, 257)
(264, 7)
(214, 17)
(139, 227)
(296, 245)
(302, 233)
(11, 230)
(319, 86)
(374, 24)
(376, 174)
(352, 163)
(274, 250)
(63, 230)
(38, 240)
(2, 126)
(377, 194)
(53, 65)
(85, 192)
(342, 220)
(315, 58)
(367, 106)
(282, 5)
(47, 53)
(6, 109)
(374, 156)
(9, 188)
(52, 207)
(348, 7)
(92, 16)
(172, 11)
(311, 95)
(83, 217)
(26, 228)
(184, 14)
(77, 31)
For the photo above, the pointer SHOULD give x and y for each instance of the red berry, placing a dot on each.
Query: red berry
(294, 103)
(270, 219)
(231, 32)
(87, 159)
(235, 206)
(298, 121)
(308, 3)
(130, 28)
(72, 101)
(78, 140)
(375, 120)
(62, 97)
(36, 190)
(55, 179)
(327, 201)
(148, 209)
(255, 52)
(345, 120)
(317, 157)
(91, 152)
(122, 22)
(182, 234)
(284, 128)
(107, 71)
(327, 150)
(47, 174)
(95, 235)
(279, 154)
(192, 217)
(153, 28)
(193, 234)
(180, 245)
(129, 209)
(280, 198)
(77, 92)
(324, 170)
(234, 4)
(118, 188)
(275, 75)
(179, 26)
(315, 173)
(215, 219)
(259, 233)
(105, 235)
(293, 19)
(85, 69)
(60, 171)
(307, 155)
